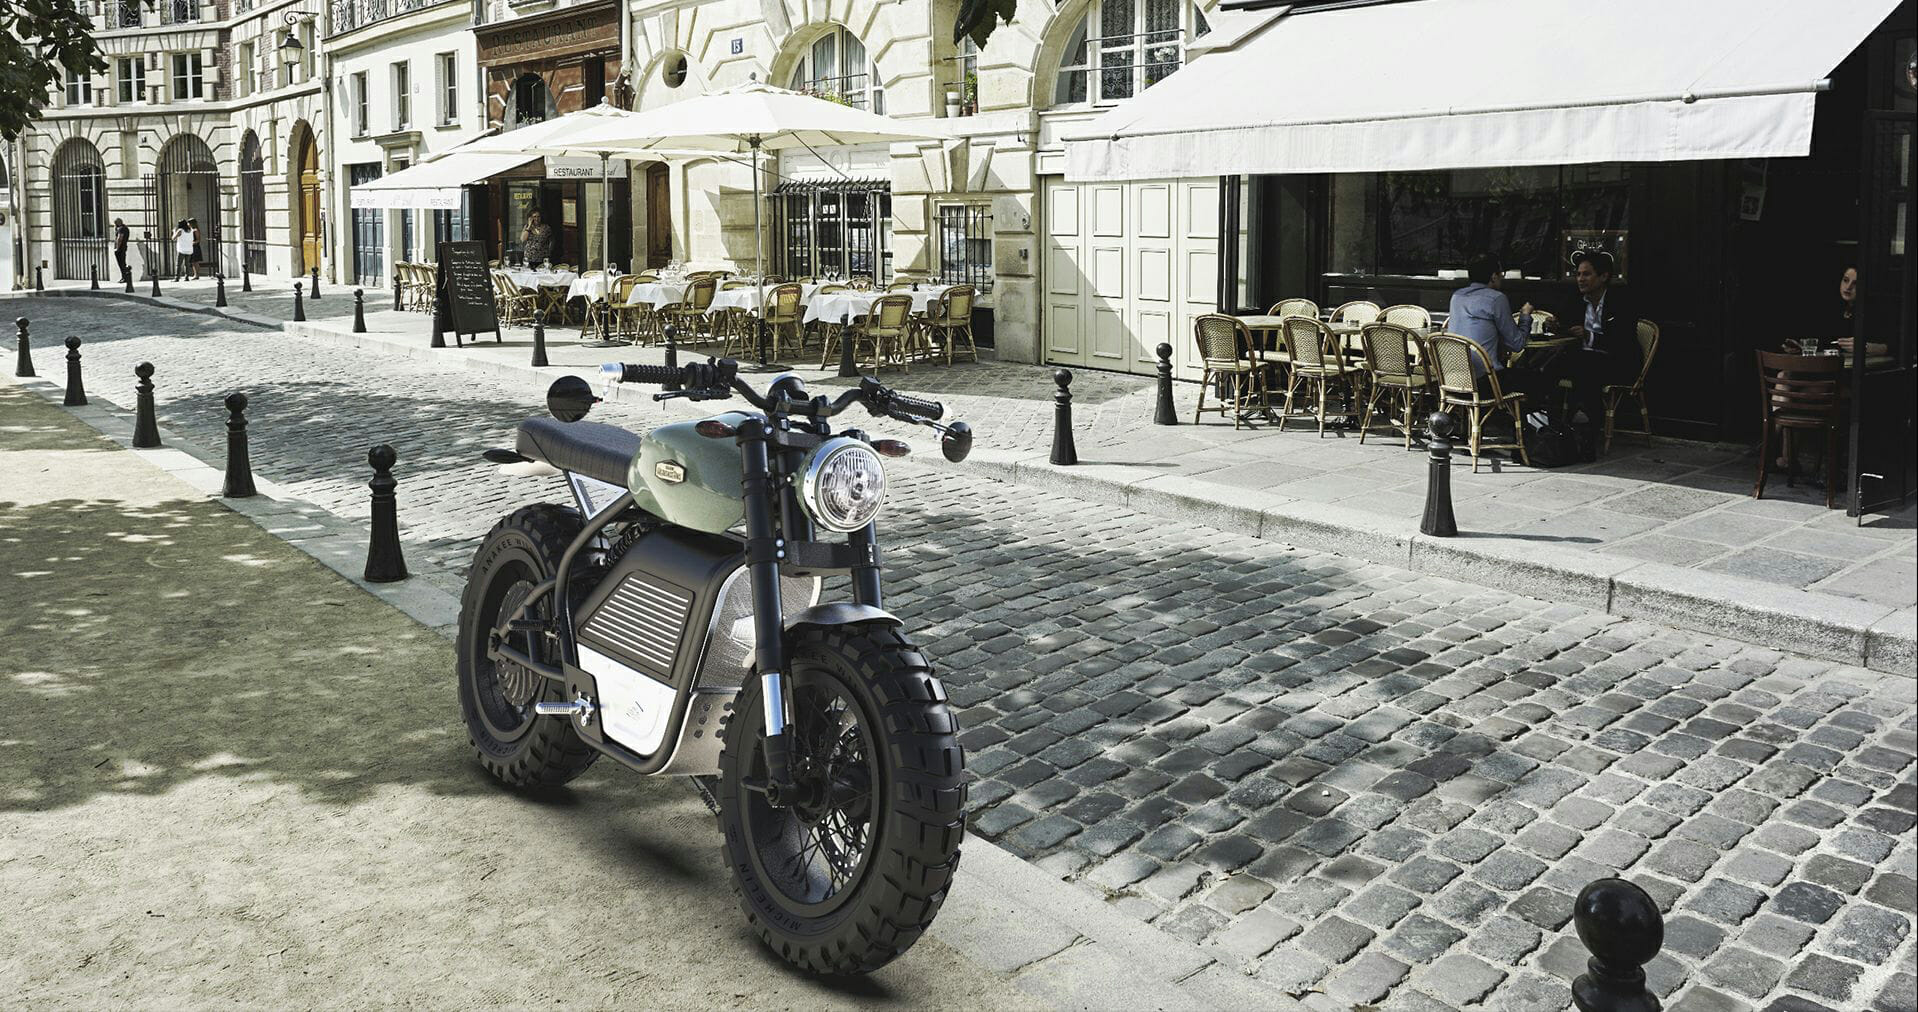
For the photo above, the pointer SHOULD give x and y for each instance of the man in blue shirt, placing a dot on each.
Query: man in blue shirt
(1483, 314)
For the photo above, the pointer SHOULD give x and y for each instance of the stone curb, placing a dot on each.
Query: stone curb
(1058, 942)
(1804, 622)
(183, 305)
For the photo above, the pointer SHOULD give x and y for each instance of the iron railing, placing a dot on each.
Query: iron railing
(124, 14)
(965, 245)
(347, 15)
(179, 12)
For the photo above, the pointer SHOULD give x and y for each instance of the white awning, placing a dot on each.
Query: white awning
(435, 184)
(1437, 84)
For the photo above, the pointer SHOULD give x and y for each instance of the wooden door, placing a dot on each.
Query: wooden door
(311, 242)
(659, 216)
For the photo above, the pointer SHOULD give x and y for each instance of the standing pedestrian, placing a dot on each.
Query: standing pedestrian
(194, 225)
(120, 236)
(182, 249)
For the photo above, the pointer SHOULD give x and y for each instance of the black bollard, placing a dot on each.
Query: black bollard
(126, 275)
(316, 284)
(40, 278)
(1063, 452)
(299, 307)
(24, 365)
(1164, 413)
(156, 285)
(246, 278)
(672, 355)
(359, 311)
(539, 338)
(76, 393)
(384, 562)
(1439, 521)
(219, 291)
(1622, 928)
(396, 291)
(93, 277)
(846, 365)
(146, 431)
(239, 467)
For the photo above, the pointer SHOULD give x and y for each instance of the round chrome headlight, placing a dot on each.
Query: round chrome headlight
(843, 485)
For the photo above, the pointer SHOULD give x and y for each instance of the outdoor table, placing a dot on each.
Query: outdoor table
(539, 279)
(840, 307)
(588, 288)
(657, 293)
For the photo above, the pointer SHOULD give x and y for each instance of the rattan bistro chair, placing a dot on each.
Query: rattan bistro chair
(1317, 361)
(1296, 307)
(1800, 393)
(1453, 357)
(1360, 312)
(1392, 358)
(515, 304)
(1648, 346)
(949, 322)
(1413, 317)
(1226, 354)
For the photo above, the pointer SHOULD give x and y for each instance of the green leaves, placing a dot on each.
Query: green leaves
(40, 42)
(978, 18)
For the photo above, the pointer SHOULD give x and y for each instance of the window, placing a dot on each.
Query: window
(532, 102)
(402, 95)
(965, 245)
(835, 232)
(309, 51)
(1139, 43)
(357, 96)
(186, 76)
(79, 89)
(968, 77)
(449, 64)
(131, 74)
(369, 230)
(836, 68)
(179, 12)
(243, 73)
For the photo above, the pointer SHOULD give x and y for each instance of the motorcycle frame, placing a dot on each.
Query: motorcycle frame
(780, 536)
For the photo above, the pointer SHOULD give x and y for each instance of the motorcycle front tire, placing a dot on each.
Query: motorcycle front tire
(915, 814)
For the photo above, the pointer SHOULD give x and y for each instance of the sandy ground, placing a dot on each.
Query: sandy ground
(230, 778)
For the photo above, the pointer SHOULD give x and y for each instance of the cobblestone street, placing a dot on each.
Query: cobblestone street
(1344, 778)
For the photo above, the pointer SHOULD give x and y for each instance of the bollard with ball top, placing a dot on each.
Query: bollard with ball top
(239, 466)
(1621, 926)
(539, 338)
(1164, 413)
(146, 429)
(23, 366)
(316, 284)
(299, 305)
(40, 278)
(156, 285)
(1063, 450)
(76, 394)
(1439, 521)
(846, 365)
(672, 354)
(219, 291)
(246, 277)
(359, 311)
(126, 275)
(384, 561)
(396, 291)
(93, 277)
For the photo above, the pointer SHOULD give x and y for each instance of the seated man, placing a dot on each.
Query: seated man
(1604, 327)
(1483, 314)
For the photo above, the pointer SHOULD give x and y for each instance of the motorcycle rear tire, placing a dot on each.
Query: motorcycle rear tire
(525, 546)
(917, 804)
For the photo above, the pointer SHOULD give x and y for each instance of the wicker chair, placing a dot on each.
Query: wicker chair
(1648, 345)
(1414, 317)
(1360, 312)
(1225, 350)
(949, 321)
(1296, 307)
(885, 331)
(1800, 393)
(828, 330)
(1392, 358)
(515, 305)
(1317, 360)
(689, 314)
(629, 320)
(1455, 357)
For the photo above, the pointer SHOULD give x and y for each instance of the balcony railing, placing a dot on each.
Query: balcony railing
(179, 12)
(350, 14)
(124, 14)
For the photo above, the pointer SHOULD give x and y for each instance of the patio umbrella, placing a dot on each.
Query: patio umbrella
(743, 120)
(559, 137)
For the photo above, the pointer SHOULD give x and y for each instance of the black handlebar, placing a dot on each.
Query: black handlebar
(929, 410)
(717, 379)
(657, 374)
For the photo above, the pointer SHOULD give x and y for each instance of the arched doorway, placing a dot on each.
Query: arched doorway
(186, 184)
(305, 236)
(252, 204)
(79, 211)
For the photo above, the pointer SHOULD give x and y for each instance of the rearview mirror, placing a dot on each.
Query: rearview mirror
(569, 398)
(957, 442)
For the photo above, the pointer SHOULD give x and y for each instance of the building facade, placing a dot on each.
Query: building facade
(201, 114)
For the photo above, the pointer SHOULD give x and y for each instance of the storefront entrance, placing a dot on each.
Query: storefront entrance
(659, 215)
(308, 239)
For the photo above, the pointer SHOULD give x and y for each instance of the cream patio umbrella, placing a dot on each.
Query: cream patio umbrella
(741, 121)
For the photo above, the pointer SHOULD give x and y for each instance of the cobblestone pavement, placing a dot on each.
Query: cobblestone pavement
(1343, 777)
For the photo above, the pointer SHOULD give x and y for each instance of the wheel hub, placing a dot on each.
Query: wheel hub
(518, 684)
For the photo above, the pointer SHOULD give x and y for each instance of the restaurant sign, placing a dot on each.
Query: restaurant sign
(569, 30)
(574, 167)
(1576, 241)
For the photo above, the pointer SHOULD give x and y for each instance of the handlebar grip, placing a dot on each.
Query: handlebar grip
(932, 410)
(658, 374)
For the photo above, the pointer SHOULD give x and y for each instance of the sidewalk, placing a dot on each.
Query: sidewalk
(1666, 532)
(267, 765)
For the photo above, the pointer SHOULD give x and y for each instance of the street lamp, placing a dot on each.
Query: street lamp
(290, 46)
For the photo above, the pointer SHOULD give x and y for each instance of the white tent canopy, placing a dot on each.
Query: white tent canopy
(434, 184)
(1437, 84)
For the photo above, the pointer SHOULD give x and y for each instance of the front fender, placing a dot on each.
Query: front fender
(839, 613)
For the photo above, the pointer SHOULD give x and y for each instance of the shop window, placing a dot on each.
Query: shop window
(831, 231)
(1415, 223)
(1122, 47)
(965, 245)
(836, 67)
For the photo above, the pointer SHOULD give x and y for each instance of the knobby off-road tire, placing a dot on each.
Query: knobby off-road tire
(914, 814)
(514, 744)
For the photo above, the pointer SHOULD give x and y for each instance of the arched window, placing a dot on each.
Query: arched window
(79, 209)
(1138, 44)
(837, 68)
(532, 102)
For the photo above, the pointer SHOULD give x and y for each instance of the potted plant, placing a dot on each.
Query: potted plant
(952, 102)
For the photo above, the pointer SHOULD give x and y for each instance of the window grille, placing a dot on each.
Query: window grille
(965, 245)
(834, 229)
(1123, 47)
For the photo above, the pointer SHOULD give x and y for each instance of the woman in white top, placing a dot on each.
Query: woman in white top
(183, 248)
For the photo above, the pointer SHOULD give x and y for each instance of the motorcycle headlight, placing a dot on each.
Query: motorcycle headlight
(843, 485)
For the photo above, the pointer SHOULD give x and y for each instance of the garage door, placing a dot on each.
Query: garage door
(1127, 266)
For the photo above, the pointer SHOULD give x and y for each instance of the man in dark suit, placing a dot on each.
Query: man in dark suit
(1604, 327)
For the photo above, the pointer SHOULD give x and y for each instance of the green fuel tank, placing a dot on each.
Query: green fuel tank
(688, 479)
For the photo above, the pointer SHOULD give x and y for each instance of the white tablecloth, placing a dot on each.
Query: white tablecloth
(588, 288)
(841, 307)
(656, 293)
(540, 279)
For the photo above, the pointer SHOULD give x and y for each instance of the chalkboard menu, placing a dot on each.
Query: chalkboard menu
(465, 296)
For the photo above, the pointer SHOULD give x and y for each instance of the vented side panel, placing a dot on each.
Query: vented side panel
(643, 621)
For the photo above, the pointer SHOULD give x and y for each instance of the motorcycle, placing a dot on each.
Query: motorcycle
(671, 619)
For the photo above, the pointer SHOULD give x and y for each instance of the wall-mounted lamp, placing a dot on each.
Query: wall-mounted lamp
(290, 45)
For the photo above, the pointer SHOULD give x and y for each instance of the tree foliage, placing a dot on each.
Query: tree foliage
(978, 18)
(40, 42)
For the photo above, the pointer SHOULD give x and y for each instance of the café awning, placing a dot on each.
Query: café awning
(435, 184)
(1438, 84)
